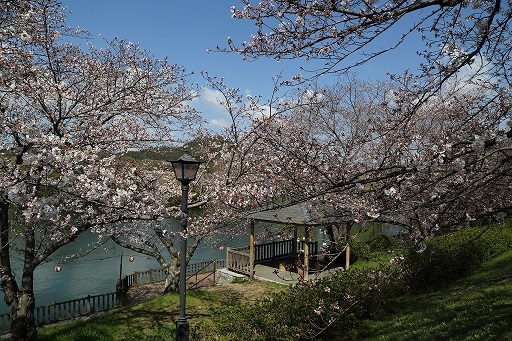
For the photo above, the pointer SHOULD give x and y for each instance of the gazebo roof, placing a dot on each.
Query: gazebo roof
(298, 214)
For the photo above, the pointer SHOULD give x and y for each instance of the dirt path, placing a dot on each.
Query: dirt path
(248, 291)
(141, 293)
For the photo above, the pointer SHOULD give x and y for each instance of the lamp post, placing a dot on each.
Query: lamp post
(185, 169)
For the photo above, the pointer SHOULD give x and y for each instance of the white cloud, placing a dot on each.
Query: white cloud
(211, 110)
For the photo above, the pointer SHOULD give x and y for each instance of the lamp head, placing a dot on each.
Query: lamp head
(185, 168)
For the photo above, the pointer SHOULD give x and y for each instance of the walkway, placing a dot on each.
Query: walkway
(272, 274)
(140, 293)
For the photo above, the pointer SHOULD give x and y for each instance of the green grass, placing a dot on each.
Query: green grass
(375, 259)
(140, 322)
(478, 307)
(151, 320)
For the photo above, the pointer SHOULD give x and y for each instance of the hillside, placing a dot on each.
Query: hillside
(478, 307)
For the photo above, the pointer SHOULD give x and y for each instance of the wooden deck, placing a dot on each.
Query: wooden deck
(240, 259)
(270, 271)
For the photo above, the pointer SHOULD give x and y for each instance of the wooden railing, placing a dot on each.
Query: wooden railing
(59, 311)
(238, 259)
(205, 267)
(158, 275)
(272, 250)
(69, 309)
(144, 277)
(313, 247)
(5, 323)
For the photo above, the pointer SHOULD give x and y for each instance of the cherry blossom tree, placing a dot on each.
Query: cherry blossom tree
(66, 113)
(344, 34)
(412, 133)
(428, 149)
(356, 153)
(160, 239)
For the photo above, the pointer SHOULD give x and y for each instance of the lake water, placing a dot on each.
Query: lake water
(98, 272)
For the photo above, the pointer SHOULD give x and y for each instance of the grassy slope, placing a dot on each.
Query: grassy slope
(154, 319)
(478, 307)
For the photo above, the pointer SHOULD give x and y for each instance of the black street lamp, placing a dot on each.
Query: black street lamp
(185, 169)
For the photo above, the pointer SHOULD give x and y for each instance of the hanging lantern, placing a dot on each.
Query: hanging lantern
(58, 268)
(131, 258)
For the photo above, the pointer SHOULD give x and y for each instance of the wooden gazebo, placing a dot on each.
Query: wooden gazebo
(243, 259)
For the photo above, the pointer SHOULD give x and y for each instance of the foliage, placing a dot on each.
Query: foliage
(384, 242)
(359, 251)
(476, 307)
(453, 255)
(371, 250)
(331, 304)
(67, 113)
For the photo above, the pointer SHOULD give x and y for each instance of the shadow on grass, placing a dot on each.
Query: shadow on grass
(476, 308)
(152, 320)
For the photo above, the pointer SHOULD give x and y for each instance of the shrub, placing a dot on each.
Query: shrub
(383, 243)
(359, 251)
(454, 255)
(314, 311)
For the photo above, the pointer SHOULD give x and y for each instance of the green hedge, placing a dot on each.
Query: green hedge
(454, 255)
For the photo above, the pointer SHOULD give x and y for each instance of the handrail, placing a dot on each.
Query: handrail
(58, 311)
(69, 309)
(238, 259)
(204, 267)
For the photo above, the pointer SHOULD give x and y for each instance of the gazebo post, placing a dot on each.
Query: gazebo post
(347, 248)
(251, 250)
(294, 241)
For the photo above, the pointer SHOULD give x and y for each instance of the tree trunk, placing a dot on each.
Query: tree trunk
(333, 232)
(21, 303)
(172, 277)
(22, 318)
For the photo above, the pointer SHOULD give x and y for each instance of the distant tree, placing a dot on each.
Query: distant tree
(65, 114)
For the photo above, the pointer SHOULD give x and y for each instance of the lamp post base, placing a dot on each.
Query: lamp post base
(182, 330)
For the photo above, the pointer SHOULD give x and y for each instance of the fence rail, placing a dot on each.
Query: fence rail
(69, 309)
(238, 259)
(5, 323)
(205, 267)
(59, 311)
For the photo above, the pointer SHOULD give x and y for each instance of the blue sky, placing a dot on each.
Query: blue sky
(184, 30)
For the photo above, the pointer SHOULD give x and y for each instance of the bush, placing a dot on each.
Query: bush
(454, 255)
(314, 311)
(383, 243)
(359, 251)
